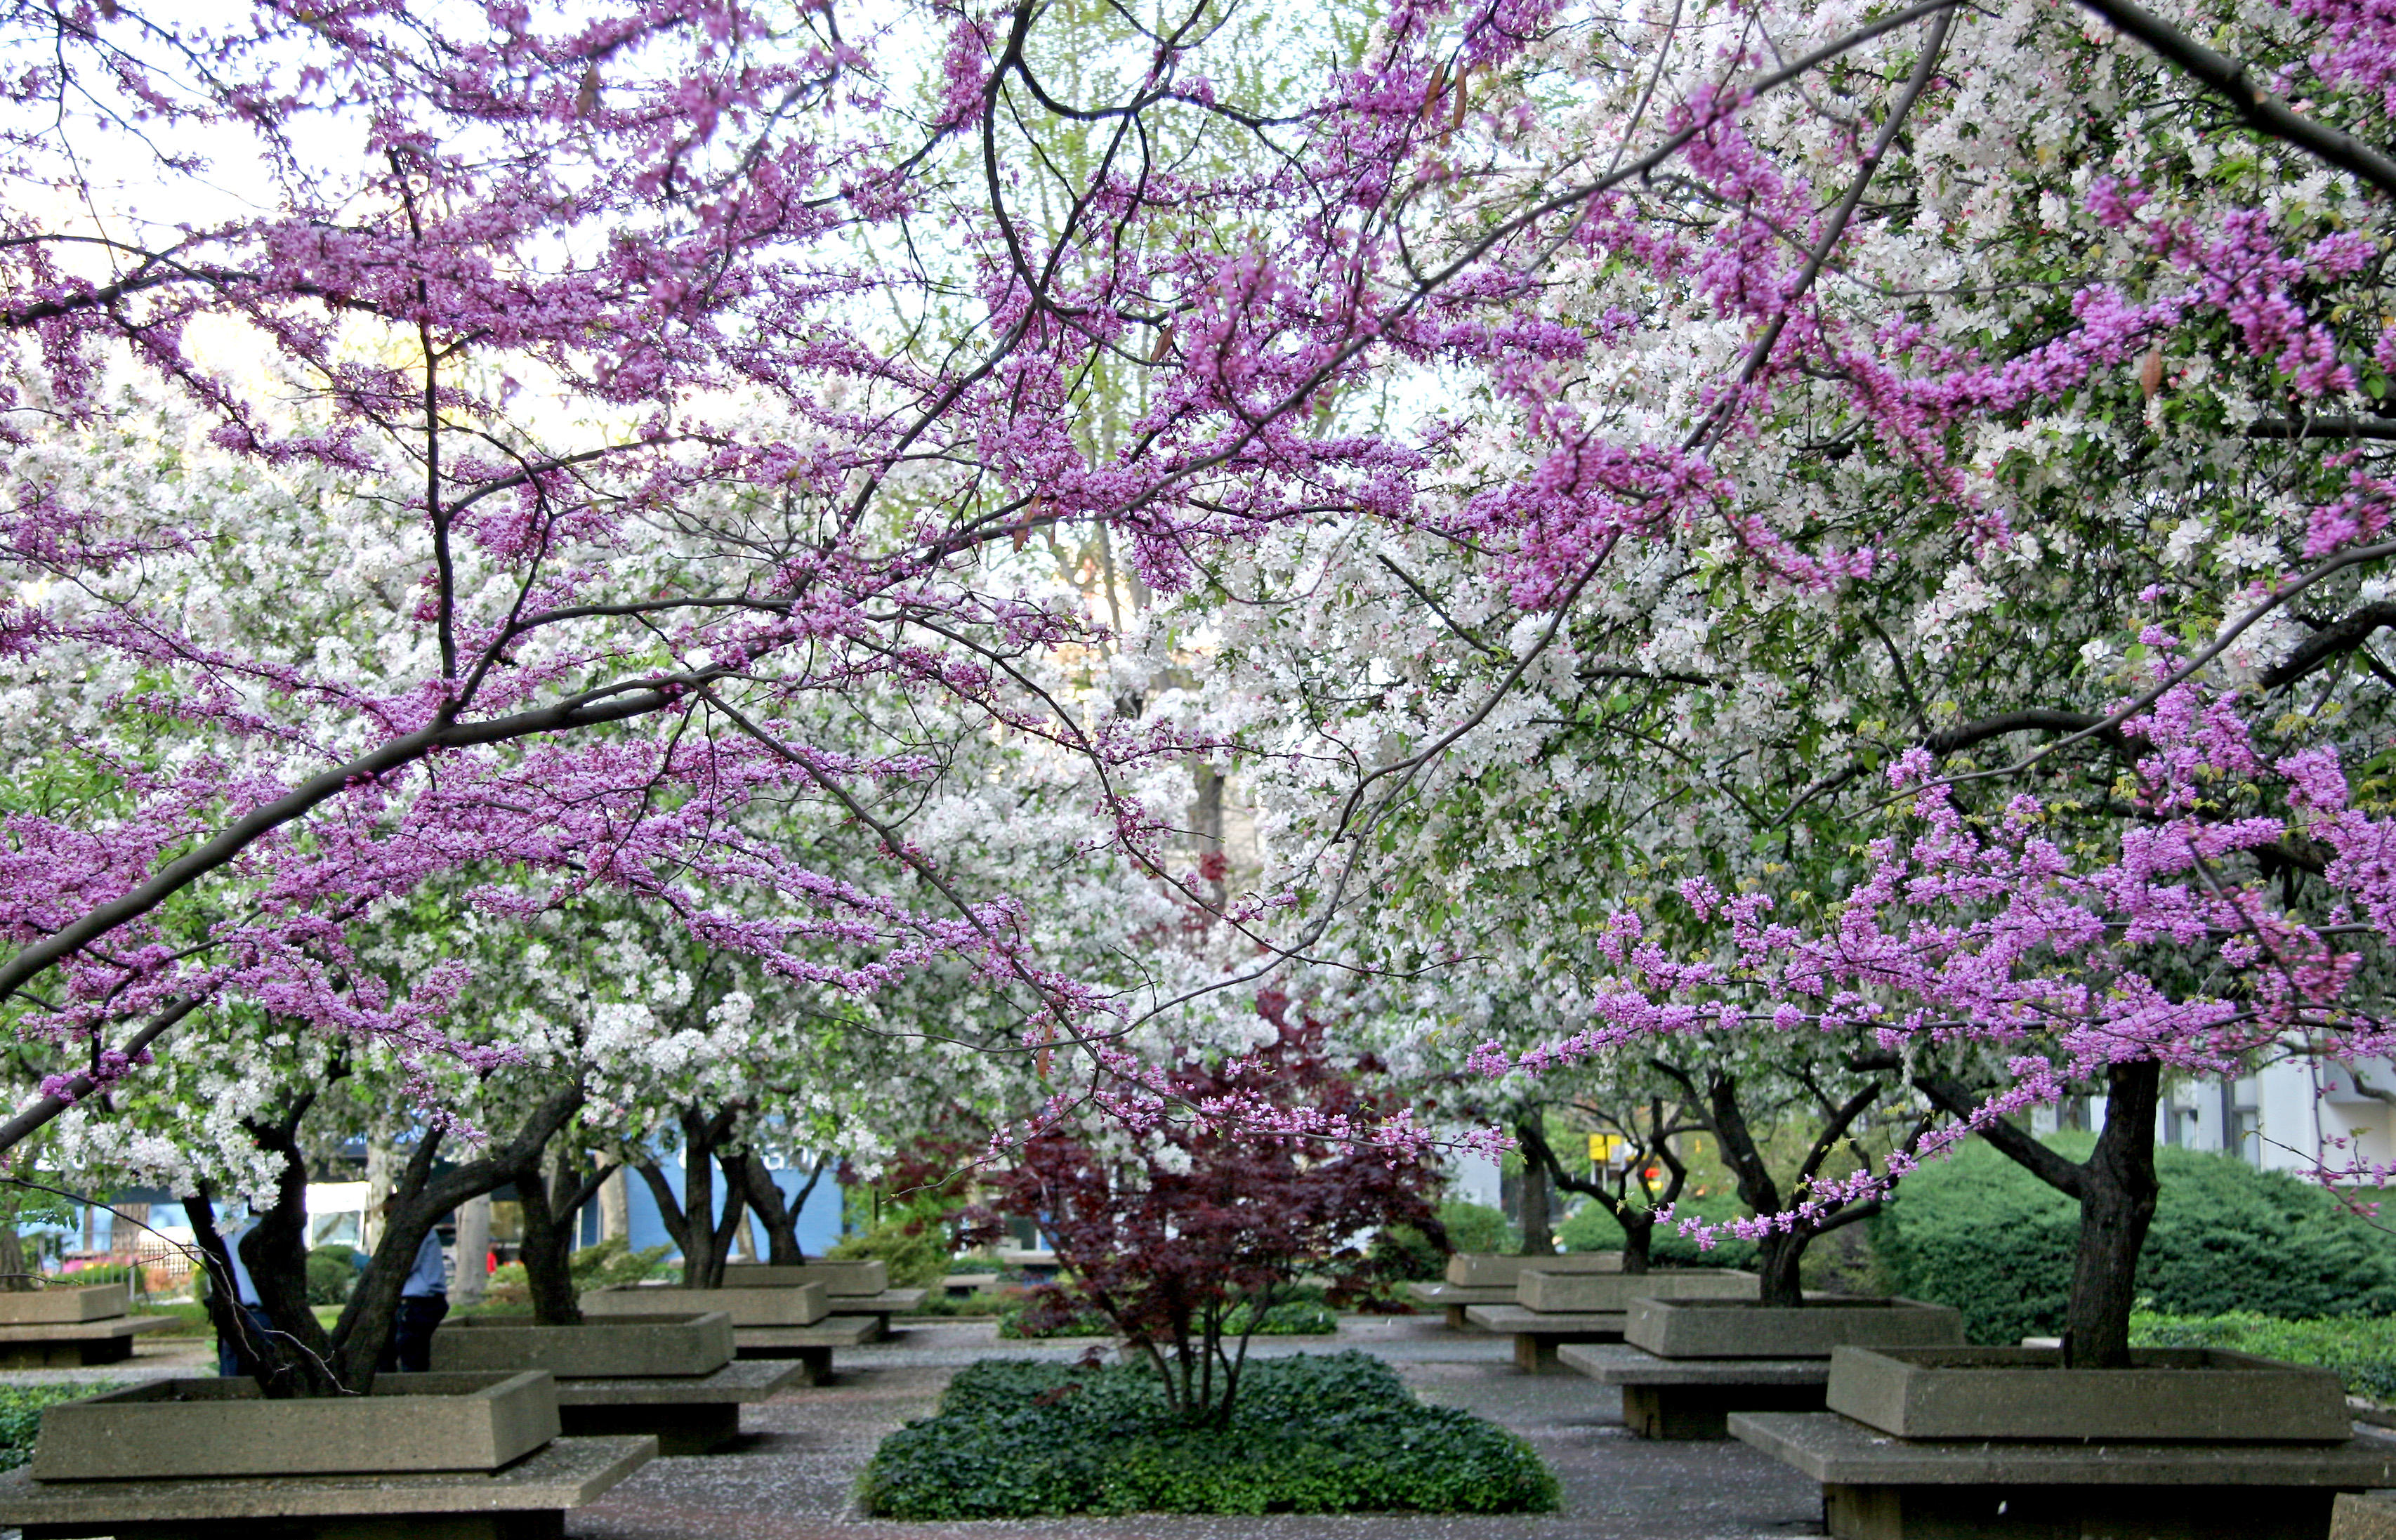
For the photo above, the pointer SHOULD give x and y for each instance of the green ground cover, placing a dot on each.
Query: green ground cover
(20, 1413)
(1331, 1434)
(2361, 1349)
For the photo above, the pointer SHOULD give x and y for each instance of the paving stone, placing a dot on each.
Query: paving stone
(795, 1474)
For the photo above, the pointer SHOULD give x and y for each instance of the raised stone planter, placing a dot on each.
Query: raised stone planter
(1488, 1270)
(1693, 1398)
(868, 1276)
(621, 1346)
(671, 1376)
(1747, 1329)
(793, 1305)
(71, 1328)
(2361, 1517)
(1541, 1290)
(525, 1501)
(1687, 1364)
(1878, 1488)
(2191, 1394)
(2004, 1443)
(811, 1346)
(686, 1414)
(54, 1306)
(221, 1428)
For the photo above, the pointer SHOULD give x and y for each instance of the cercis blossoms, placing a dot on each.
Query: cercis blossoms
(1976, 933)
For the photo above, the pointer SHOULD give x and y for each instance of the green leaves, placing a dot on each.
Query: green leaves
(1335, 1434)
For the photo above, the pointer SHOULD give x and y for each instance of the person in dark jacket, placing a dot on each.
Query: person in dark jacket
(423, 1300)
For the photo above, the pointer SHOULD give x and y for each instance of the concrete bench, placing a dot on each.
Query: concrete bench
(1537, 1333)
(1454, 1299)
(1693, 1398)
(811, 1346)
(686, 1414)
(967, 1285)
(525, 1501)
(1875, 1487)
(881, 1307)
(75, 1343)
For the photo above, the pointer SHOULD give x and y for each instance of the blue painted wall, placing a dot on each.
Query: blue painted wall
(819, 1222)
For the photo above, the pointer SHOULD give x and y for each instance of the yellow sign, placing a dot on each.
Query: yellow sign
(1602, 1145)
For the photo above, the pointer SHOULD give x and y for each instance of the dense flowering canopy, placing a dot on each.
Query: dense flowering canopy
(693, 376)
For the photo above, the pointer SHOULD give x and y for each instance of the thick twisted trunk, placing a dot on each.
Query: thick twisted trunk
(2117, 1207)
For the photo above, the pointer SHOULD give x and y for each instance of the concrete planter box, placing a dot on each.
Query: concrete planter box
(1486, 1271)
(791, 1305)
(622, 1348)
(2360, 1517)
(2169, 1395)
(61, 1307)
(1614, 1291)
(838, 1278)
(1745, 1328)
(224, 1428)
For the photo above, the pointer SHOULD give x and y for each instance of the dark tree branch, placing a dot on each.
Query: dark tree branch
(2229, 80)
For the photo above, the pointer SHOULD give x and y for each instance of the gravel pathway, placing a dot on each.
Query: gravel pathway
(793, 1477)
(795, 1473)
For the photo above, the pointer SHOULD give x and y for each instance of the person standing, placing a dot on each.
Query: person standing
(237, 1359)
(423, 1300)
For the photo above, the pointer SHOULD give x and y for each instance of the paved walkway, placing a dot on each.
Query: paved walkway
(795, 1476)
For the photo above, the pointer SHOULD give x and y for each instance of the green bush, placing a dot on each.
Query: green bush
(1404, 1254)
(1591, 1229)
(1337, 1434)
(611, 1261)
(1977, 1232)
(917, 1259)
(332, 1275)
(20, 1415)
(1474, 1227)
(104, 1272)
(2361, 1349)
(614, 1261)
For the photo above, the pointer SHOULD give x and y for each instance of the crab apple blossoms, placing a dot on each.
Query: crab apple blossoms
(565, 457)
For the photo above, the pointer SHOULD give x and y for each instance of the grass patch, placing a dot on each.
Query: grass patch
(2361, 1349)
(1331, 1434)
(20, 1413)
(191, 1319)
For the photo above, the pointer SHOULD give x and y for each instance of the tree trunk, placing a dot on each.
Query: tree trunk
(616, 1208)
(552, 1205)
(16, 1268)
(1638, 1237)
(368, 1322)
(2117, 1205)
(690, 1219)
(1538, 1203)
(473, 1250)
(297, 1360)
(780, 1217)
(1777, 1256)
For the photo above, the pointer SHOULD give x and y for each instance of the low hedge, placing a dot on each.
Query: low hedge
(1330, 1434)
(2361, 1349)
(1976, 1231)
(1290, 1318)
(1591, 1229)
(20, 1415)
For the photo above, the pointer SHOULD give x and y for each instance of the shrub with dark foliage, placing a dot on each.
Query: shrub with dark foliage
(1208, 1224)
